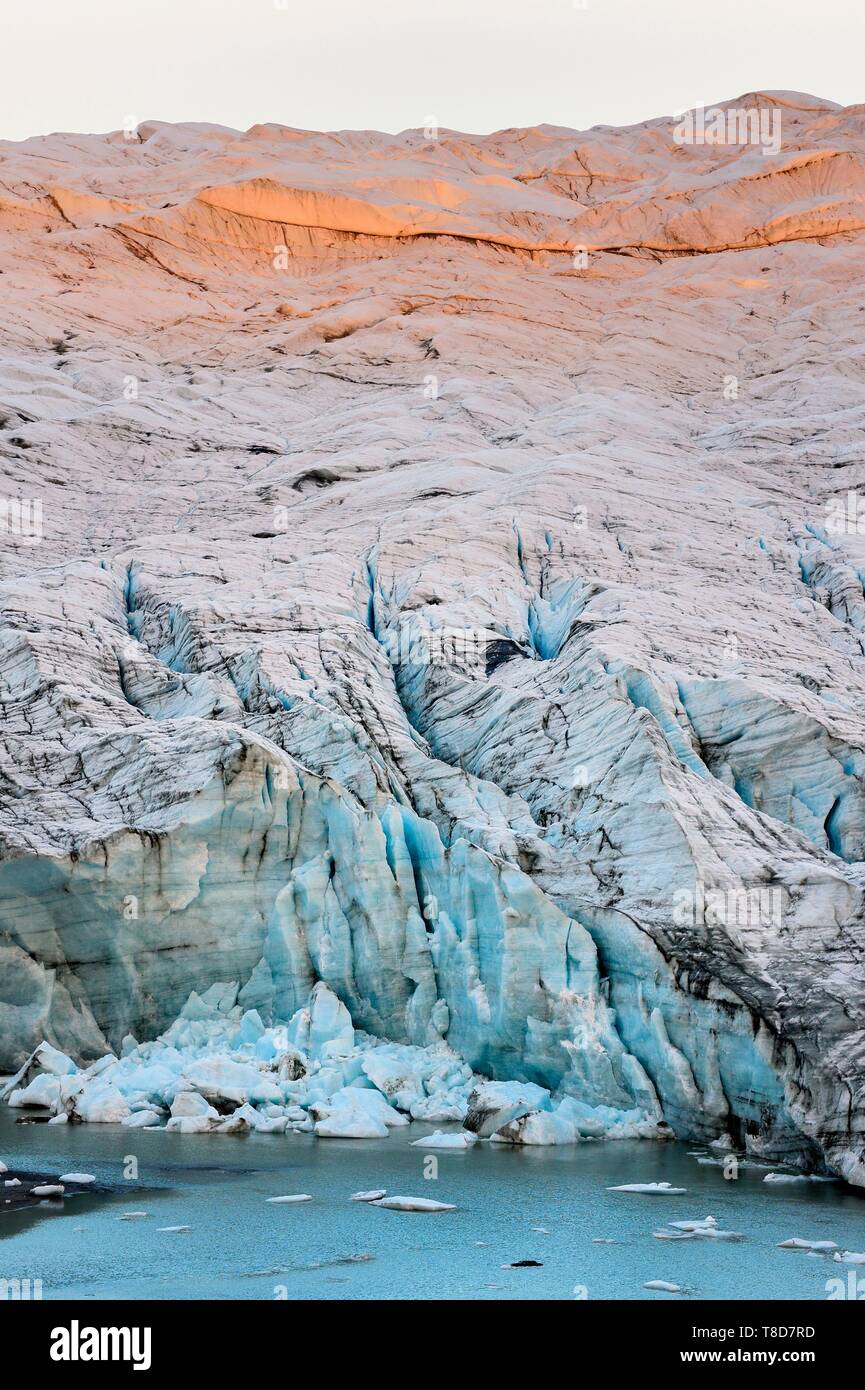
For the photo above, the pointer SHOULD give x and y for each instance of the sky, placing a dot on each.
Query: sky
(472, 65)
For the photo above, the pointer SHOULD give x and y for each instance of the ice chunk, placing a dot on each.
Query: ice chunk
(662, 1286)
(788, 1179)
(247, 1115)
(462, 1139)
(373, 1195)
(43, 1091)
(57, 1063)
(650, 1189)
(348, 1123)
(220, 998)
(413, 1204)
(701, 1229)
(251, 1029)
(355, 1098)
(77, 1177)
(323, 1030)
(355, 1113)
(221, 1079)
(440, 1108)
(142, 1119)
(723, 1142)
(849, 1257)
(191, 1124)
(101, 1103)
(795, 1243)
(48, 1189)
(494, 1104)
(101, 1067)
(189, 1104)
(291, 1197)
(235, 1124)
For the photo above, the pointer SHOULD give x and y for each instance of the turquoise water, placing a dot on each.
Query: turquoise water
(239, 1246)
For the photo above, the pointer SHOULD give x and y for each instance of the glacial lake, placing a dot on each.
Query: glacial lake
(240, 1246)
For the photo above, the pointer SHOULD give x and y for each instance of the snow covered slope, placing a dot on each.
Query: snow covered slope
(419, 573)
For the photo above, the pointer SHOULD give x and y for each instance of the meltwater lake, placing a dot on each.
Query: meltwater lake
(513, 1203)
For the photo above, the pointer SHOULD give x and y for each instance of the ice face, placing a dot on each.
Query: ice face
(366, 919)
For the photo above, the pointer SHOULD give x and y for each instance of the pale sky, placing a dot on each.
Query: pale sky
(474, 65)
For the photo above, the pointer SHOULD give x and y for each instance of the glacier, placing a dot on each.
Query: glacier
(425, 672)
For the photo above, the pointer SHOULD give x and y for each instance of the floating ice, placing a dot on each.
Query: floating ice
(788, 1179)
(374, 1195)
(77, 1177)
(413, 1204)
(794, 1243)
(464, 1139)
(662, 1286)
(293, 1197)
(849, 1257)
(703, 1229)
(650, 1189)
(48, 1189)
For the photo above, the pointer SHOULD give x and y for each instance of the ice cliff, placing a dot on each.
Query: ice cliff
(422, 576)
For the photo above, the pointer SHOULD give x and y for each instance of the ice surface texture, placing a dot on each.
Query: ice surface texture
(426, 609)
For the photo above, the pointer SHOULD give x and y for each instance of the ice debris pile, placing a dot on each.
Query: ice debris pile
(219, 1069)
